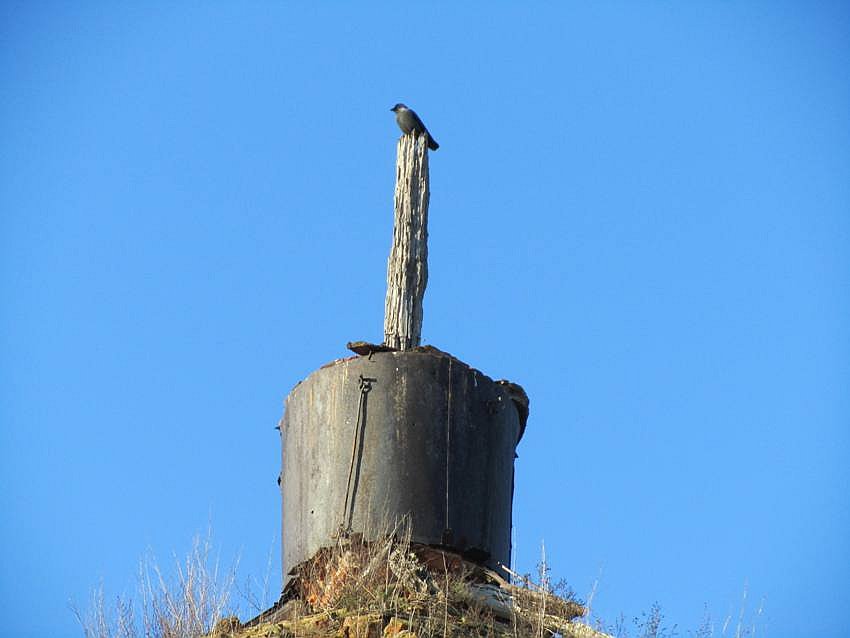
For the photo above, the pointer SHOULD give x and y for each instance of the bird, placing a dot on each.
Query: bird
(408, 122)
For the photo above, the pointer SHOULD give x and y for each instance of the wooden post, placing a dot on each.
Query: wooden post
(407, 267)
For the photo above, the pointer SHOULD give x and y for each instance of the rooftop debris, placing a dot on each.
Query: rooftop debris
(392, 588)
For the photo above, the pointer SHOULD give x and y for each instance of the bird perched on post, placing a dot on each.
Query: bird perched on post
(408, 122)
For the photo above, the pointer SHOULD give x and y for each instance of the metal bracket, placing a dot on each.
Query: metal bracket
(366, 383)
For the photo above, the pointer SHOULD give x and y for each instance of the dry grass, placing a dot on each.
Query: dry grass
(745, 623)
(186, 605)
(372, 589)
(423, 590)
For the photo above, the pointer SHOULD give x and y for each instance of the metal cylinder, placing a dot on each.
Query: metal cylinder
(367, 441)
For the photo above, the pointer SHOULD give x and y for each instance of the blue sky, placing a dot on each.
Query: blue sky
(639, 211)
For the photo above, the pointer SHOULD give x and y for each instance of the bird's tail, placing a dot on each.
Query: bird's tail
(432, 143)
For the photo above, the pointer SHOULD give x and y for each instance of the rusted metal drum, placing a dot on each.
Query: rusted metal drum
(370, 440)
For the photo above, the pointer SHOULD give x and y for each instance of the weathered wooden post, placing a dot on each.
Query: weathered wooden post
(402, 430)
(407, 267)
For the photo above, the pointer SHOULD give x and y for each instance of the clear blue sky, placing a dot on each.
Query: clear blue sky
(640, 212)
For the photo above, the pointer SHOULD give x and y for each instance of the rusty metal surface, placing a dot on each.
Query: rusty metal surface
(430, 438)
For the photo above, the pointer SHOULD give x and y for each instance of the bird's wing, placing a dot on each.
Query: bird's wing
(419, 126)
